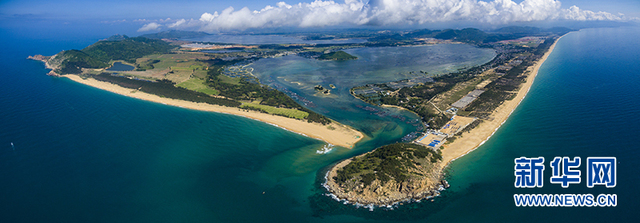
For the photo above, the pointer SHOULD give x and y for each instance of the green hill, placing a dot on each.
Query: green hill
(72, 62)
(101, 53)
(128, 49)
(469, 35)
(396, 162)
(338, 55)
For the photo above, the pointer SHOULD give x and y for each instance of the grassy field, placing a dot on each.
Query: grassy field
(184, 69)
(229, 80)
(187, 61)
(291, 113)
(175, 67)
(198, 85)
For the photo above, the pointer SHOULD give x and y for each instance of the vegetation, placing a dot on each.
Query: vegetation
(391, 162)
(417, 98)
(338, 55)
(165, 88)
(128, 49)
(101, 53)
(146, 65)
(199, 85)
(72, 62)
(504, 87)
(468, 35)
(197, 80)
(249, 89)
(286, 112)
(117, 37)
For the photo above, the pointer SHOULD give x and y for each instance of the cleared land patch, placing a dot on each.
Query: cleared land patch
(198, 85)
(287, 112)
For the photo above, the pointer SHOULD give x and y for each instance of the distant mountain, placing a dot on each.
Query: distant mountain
(468, 35)
(175, 34)
(476, 36)
(116, 37)
(523, 30)
(527, 30)
(560, 30)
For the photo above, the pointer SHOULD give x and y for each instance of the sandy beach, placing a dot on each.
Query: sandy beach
(340, 135)
(469, 141)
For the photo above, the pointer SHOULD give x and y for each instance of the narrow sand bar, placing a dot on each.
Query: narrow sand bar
(469, 141)
(341, 135)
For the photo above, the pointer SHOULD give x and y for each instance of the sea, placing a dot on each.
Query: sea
(73, 153)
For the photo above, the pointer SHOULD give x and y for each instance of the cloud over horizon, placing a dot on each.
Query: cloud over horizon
(385, 13)
(149, 27)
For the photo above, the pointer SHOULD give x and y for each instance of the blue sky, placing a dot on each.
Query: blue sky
(154, 9)
(627, 7)
(121, 9)
(201, 14)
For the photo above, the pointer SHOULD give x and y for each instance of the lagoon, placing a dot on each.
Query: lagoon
(298, 75)
(119, 66)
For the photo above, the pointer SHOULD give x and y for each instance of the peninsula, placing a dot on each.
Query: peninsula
(163, 72)
(462, 109)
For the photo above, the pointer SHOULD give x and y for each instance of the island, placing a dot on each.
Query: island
(338, 55)
(320, 88)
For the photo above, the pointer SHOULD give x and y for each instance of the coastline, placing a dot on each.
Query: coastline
(470, 141)
(466, 143)
(341, 135)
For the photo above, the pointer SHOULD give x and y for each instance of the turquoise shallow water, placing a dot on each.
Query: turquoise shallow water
(374, 65)
(86, 155)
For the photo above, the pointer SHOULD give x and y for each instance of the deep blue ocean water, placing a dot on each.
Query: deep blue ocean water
(85, 155)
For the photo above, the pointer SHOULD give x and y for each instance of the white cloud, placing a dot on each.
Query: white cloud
(150, 27)
(575, 13)
(322, 13)
(177, 23)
